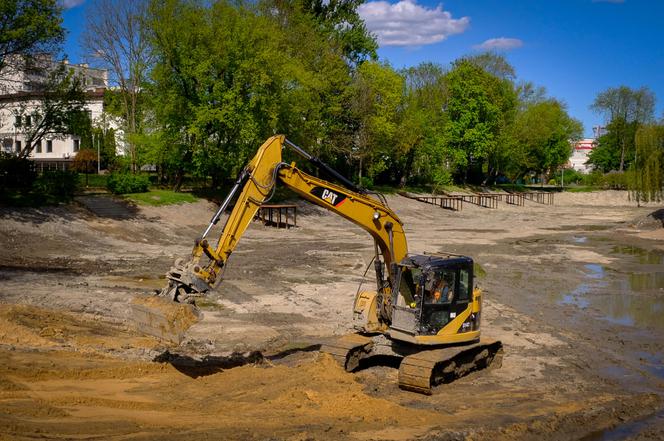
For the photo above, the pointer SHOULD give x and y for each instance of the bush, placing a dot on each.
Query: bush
(123, 183)
(56, 185)
(615, 180)
(366, 182)
(571, 176)
(15, 172)
(593, 179)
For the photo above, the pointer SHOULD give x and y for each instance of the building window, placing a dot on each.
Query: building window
(38, 148)
(17, 145)
(76, 144)
(49, 146)
(7, 145)
(28, 121)
(17, 122)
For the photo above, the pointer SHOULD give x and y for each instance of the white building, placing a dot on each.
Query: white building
(21, 88)
(580, 151)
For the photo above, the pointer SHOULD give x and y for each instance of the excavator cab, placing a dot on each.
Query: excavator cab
(436, 303)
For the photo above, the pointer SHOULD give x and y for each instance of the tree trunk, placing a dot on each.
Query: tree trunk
(359, 172)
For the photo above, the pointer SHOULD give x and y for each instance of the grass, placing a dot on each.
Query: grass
(582, 189)
(160, 197)
(94, 180)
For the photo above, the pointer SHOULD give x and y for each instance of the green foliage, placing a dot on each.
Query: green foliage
(366, 182)
(593, 179)
(647, 183)
(161, 197)
(541, 134)
(16, 172)
(123, 183)
(56, 186)
(227, 75)
(93, 180)
(421, 155)
(626, 110)
(340, 20)
(615, 180)
(21, 186)
(28, 28)
(375, 96)
(615, 149)
(60, 110)
(571, 176)
(480, 108)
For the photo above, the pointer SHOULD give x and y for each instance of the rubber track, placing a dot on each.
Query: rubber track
(422, 371)
(348, 350)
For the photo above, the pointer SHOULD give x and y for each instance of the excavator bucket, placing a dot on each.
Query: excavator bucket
(163, 318)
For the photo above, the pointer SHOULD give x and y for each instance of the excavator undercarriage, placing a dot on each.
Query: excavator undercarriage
(420, 370)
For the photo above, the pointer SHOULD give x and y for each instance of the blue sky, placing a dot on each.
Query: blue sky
(574, 48)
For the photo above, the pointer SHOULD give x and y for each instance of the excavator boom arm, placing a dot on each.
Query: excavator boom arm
(257, 182)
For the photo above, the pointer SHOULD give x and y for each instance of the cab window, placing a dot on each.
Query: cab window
(464, 285)
(409, 286)
(440, 287)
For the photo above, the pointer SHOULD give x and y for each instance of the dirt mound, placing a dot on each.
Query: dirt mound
(40, 328)
(162, 318)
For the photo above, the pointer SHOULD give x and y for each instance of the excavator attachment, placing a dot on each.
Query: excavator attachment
(163, 318)
(420, 370)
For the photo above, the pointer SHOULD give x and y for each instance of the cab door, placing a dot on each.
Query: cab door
(446, 295)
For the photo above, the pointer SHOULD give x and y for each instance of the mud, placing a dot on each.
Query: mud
(575, 292)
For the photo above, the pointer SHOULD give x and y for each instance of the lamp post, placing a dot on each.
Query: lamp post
(98, 156)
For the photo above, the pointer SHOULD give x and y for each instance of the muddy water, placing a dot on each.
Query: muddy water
(629, 293)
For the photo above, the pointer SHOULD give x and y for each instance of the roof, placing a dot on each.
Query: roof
(436, 260)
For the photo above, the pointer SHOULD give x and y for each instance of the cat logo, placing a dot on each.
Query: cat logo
(329, 196)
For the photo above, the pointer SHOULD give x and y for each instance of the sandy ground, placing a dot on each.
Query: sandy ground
(583, 344)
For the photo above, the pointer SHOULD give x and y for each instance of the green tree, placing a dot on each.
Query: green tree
(219, 89)
(612, 146)
(339, 19)
(647, 183)
(28, 28)
(59, 111)
(115, 38)
(480, 108)
(542, 133)
(420, 145)
(376, 94)
(625, 109)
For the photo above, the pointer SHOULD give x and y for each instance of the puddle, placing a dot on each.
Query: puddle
(634, 299)
(647, 282)
(578, 297)
(644, 257)
(628, 430)
(653, 363)
(579, 239)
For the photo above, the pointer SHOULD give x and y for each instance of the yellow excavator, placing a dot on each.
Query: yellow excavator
(425, 312)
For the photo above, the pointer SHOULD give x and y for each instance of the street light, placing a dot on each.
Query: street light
(98, 156)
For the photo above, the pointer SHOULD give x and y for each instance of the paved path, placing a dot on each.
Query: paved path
(106, 206)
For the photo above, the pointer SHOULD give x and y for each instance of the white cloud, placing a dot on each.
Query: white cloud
(501, 43)
(408, 24)
(68, 4)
